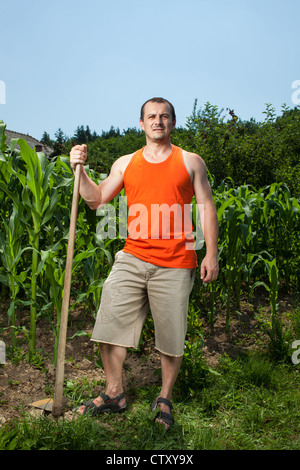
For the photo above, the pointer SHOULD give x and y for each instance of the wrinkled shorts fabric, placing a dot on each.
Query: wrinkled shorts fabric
(134, 287)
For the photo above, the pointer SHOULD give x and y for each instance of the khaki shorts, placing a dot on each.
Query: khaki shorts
(132, 287)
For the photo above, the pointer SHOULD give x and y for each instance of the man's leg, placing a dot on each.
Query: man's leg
(113, 358)
(170, 366)
(169, 290)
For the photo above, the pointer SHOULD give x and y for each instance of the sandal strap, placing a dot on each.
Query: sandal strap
(165, 417)
(110, 404)
(90, 407)
(107, 399)
(89, 404)
(158, 400)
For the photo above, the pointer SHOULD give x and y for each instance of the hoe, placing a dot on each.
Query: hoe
(57, 404)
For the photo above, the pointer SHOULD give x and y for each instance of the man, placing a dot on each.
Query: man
(157, 264)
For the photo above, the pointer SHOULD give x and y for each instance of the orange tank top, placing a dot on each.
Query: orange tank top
(159, 199)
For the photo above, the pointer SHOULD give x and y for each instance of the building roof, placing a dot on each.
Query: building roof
(32, 142)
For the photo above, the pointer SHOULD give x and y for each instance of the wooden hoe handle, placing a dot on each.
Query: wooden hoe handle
(59, 383)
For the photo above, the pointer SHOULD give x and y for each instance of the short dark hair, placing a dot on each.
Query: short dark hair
(158, 100)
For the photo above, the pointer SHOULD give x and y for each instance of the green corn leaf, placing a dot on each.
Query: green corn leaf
(50, 208)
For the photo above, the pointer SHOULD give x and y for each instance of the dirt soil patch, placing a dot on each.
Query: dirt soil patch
(22, 383)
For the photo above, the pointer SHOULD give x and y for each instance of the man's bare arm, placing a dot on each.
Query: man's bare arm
(208, 217)
(93, 194)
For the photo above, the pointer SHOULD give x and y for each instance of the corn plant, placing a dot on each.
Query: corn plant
(11, 274)
(278, 345)
(273, 287)
(34, 205)
(35, 217)
(235, 218)
(284, 211)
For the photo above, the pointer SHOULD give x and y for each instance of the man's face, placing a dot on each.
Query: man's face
(157, 122)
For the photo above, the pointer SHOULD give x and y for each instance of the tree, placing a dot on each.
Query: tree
(248, 152)
(83, 135)
(79, 135)
(46, 139)
(60, 136)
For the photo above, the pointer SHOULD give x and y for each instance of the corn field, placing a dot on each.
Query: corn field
(258, 242)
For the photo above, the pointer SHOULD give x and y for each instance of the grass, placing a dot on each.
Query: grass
(253, 404)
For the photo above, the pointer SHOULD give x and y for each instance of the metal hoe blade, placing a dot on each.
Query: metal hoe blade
(46, 404)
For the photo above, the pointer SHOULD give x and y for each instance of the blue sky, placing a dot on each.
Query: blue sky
(68, 63)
